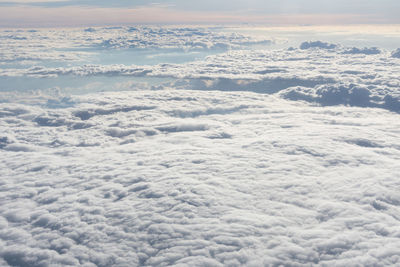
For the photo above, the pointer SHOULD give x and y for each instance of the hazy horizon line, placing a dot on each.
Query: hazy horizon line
(77, 16)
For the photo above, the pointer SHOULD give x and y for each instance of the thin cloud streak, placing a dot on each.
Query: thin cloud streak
(27, 16)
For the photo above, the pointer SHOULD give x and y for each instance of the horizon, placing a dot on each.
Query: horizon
(68, 13)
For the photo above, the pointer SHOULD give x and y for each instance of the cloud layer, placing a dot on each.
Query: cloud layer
(68, 45)
(187, 178)
(247, 157)
(320, 72)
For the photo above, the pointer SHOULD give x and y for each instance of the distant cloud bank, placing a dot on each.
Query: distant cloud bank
(317, 71)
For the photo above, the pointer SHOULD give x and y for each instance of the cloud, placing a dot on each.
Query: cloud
(350, 74)
(365, 51)
(246, 157)
(182, 177)
(317, 44)
(396, 54)
(343, 94)
(32, 46)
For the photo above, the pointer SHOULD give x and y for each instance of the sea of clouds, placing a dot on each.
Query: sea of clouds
(324, 73)
(250, 157)
(32, 46)
(188, 178)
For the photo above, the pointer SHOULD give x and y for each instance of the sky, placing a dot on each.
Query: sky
(28, 13)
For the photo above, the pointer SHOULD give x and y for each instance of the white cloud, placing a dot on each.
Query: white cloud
(22, 46)
(364, 77)
(365, 51)
(396, 54)
(215, 167)
(317, 44)
(197, 177)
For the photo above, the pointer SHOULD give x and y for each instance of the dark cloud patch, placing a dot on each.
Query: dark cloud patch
(396, 53)
(364, 51)
(317, 44)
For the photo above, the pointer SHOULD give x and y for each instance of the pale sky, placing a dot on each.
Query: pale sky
(270, 12)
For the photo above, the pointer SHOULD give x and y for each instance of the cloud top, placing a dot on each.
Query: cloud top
(187, 178)
(317, 44)
(351, 75)
(396, 53)
(254, 157)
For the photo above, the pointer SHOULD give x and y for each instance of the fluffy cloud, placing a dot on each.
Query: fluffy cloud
(317, 44)
(365, 51)
(179, 177)
(344, 94)
(247, 157)
(177, 38)
(84, 44)
(396, 54)
(351, 76)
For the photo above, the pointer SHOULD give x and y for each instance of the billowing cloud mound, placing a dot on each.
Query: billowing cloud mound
(365, 51)
(177, 38)
(366, 78)
(66, 45)
(349, 94)
(317, 44)
(192, 178)
(396, 54)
